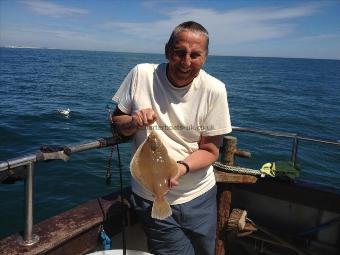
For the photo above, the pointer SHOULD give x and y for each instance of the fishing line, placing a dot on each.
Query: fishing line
(121, 200)
(115, 134)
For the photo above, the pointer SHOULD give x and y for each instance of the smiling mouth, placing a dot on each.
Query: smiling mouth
(184, 71)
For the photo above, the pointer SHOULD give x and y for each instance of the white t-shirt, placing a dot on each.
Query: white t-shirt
(184, 114)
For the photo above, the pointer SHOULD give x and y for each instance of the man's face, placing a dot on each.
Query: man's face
(186, 57)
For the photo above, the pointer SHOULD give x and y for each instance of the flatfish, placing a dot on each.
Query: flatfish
(152, 167)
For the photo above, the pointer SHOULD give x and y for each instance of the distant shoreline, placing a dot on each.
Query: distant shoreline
(21, 47)
(153, 53)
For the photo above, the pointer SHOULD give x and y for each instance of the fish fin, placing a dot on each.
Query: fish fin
(160, 209)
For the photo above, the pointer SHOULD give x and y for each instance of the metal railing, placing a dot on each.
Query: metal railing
(29, 161)
(294, 136)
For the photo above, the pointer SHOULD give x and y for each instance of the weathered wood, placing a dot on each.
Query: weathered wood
(243, 154)
(224, 198)
(224, 201)
(73, 232)
(237, 220)
(224, 177)
(228, 150)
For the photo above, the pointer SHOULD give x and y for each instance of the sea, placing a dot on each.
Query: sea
(278, 94)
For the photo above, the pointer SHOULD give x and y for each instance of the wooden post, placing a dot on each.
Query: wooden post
(223, 212)
(224, 200)
(228, 150)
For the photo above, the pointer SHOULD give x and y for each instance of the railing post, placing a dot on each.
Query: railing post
(228, 150)
(294, 150)
(28, 237)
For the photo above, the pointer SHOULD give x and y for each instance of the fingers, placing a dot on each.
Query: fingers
(144, 117)
(173, 182)
(149, 116)
(136, 118)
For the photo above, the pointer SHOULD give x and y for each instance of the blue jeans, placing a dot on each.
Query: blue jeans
(190, 230)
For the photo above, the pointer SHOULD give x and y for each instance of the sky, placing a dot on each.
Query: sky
(266, 28)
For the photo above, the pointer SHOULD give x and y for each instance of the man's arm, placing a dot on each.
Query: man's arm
(205, 156)
(129, 124)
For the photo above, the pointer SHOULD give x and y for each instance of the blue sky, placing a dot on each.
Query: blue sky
(309, 29)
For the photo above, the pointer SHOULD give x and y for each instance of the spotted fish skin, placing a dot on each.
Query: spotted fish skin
(153, 168)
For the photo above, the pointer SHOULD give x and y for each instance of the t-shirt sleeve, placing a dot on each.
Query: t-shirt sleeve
(123, 96)
(217, 121)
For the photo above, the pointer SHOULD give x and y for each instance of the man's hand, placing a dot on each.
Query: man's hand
(129, 124)
(174, 181)
(144, 118)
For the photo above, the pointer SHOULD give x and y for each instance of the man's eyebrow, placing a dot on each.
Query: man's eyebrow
(195, 51)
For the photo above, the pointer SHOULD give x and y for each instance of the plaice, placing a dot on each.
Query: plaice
(152, 167)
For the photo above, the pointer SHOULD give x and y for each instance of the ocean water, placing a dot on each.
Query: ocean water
(292, 95)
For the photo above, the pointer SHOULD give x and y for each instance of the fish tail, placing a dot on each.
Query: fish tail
(160, 209)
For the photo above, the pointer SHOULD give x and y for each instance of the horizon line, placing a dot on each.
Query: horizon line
(154, 53)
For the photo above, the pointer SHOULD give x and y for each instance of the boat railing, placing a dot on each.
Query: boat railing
(28, 162)
(294, 136)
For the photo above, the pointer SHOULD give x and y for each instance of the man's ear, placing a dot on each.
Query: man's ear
(167, 51)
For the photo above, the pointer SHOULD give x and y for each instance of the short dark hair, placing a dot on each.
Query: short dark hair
(191, 26)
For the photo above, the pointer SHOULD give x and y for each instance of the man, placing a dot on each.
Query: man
(189, 111)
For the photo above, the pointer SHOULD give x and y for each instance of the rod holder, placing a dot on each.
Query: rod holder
(28, 237)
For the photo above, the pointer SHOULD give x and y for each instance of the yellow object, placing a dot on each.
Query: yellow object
(280, 168)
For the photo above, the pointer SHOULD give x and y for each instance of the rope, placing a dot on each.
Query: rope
(109, 167)
(236, 169)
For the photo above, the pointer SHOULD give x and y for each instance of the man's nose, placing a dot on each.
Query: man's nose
(186, 60)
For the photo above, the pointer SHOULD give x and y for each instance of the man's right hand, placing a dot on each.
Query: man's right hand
(144, 118)
(129, 124)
